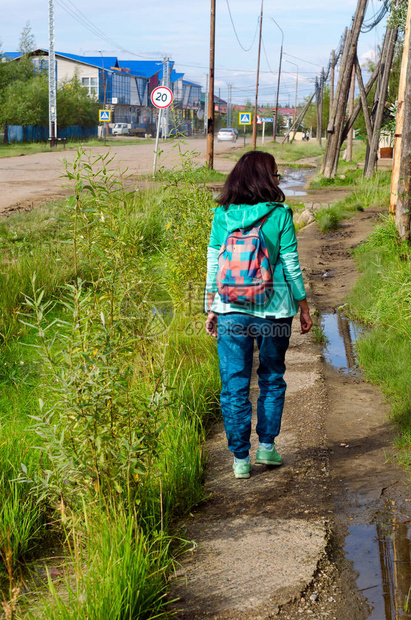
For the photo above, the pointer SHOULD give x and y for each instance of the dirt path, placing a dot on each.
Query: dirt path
(30, 180)
(272, 546)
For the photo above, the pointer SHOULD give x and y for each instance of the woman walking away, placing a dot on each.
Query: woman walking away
(254, 288)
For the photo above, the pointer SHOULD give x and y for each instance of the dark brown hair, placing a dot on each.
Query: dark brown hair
(252, 181)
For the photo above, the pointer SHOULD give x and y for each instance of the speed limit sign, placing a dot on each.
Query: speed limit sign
(162, 97)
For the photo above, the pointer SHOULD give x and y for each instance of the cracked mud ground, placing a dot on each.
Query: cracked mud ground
(271, 546)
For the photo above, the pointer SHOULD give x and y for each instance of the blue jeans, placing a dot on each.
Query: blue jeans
(236, 335)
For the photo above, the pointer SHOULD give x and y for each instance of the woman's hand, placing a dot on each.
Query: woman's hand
(305, 318)
(211, 324)
(306, 322)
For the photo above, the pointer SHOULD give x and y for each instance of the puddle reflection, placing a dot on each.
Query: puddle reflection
(294, 178)
(341, 334)
(381, 556)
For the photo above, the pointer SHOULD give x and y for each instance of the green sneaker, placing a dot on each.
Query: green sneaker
(268, 457)
(242, 469)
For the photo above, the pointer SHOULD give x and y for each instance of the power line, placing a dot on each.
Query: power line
(78, 16)
(302, 60)
(377, 17)
(235, 31)
(266, 58)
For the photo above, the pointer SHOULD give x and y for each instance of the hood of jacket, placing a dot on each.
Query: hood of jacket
(244, 216)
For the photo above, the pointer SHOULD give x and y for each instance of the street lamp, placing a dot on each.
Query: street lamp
(279, 78)
(296, 89)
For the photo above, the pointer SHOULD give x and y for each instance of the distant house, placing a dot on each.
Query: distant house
(287, 114)
(220, 106)
(123, 85)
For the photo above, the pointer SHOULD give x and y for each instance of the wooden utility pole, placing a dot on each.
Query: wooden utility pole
(332, 80)
(319, 87)
(210, 113)
(254, 140)
(404, 83)
(350, 139)
(296, 98)
(387, 58)
(401, 184)
(363, 99)
(278, 82)
(367, 89)
(336, 124)
(299, 120)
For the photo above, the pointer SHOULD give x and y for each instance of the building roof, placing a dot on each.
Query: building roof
(190, 83)
(286, 111)
(104, 62)
(142, 68)
(176, 76)
(12, 55)
(139, 68)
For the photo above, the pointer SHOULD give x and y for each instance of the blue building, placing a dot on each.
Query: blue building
(123, 85)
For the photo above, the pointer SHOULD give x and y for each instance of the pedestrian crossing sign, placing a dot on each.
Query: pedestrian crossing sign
(245, 118)
(104, 116)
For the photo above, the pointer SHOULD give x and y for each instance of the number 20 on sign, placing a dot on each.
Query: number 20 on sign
(161, 97)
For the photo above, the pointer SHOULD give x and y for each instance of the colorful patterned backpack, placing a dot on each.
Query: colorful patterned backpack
(245, 274)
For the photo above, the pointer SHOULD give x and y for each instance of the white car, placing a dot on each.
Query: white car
(120, 129)
(227, 134)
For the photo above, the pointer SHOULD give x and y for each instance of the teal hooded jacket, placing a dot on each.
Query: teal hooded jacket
(279, 234)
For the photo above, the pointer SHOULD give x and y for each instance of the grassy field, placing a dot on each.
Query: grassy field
(286, 153)
(107, 383)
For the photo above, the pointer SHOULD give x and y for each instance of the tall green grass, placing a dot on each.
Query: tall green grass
(374, 192)
(117, 572)
(382, 298)
(96, 411)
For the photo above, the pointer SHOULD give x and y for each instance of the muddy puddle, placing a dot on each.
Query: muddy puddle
(294, 180)
(380, 549)
(341, 335)
(380, 553)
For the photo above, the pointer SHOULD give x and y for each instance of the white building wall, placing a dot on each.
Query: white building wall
(67, 69)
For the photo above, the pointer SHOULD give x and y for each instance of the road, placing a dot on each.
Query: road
(30, 180)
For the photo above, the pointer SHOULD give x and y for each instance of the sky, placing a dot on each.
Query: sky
(180, 29)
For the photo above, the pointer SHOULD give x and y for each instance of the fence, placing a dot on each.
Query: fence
(32, 133)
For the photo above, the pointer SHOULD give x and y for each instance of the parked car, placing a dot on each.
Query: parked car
(120, 129)
(227, 134)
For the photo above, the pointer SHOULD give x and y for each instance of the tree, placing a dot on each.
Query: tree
(15, 70)
(398, 17)
(25, 102)
(74, 105)
(27, 42)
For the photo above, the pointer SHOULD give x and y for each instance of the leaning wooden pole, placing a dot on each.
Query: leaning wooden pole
(299, 120)
(334, 108)
(363, 99)
(403, 187)
(332, 80)
(340, 104)
(404, 83)
(386, 66)
(357, 108)
(350, 139)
